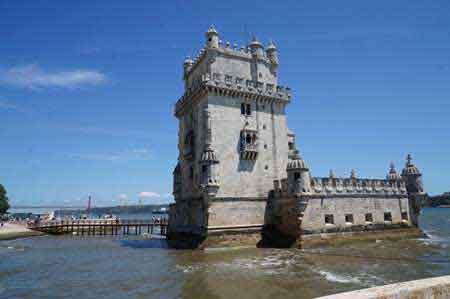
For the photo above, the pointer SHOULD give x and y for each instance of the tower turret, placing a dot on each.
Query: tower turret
(209, 173)
(353, 176)
(187, 65)
(392, 175)
(256, 48)
(412, 177)
(299, 180)
(212, 37)
(272, 54)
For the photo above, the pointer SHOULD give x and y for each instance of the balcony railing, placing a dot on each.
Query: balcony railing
(249, 151)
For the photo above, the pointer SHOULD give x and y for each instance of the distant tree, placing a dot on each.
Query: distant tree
(4, 205)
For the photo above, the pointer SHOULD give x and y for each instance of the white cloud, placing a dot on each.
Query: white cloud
(5, 104)
(34, 77)
(122, 197)
(149, 194)
(141, 154)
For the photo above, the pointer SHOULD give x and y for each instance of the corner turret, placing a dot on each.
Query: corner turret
(187, 66)
(272, 54)
(212, 38)
(412, 177)
(209, 162)
(392, 175)
(256, 48)
(299, 180)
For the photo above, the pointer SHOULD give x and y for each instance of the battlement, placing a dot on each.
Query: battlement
(347, 186)
(232, 51)
(232, 86)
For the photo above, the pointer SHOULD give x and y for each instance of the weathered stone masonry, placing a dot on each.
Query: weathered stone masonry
(235, 147)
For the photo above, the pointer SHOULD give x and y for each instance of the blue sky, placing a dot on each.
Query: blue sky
(87, 89)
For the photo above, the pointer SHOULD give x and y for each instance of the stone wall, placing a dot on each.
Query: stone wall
(248, 178)
(430, 288)
(345, 213)
(235, 213)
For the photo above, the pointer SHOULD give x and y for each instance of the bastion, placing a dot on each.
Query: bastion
(240, 178)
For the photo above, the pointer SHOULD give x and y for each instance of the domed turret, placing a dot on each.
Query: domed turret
(187, 65)
(353, 175)
(256, 47)
(299, 180)
(410, 168)
(271, 52)
(392, 176)
(212, 37)
(412, 177)
(296, 163)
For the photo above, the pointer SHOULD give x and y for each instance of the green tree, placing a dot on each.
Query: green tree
(4, 205)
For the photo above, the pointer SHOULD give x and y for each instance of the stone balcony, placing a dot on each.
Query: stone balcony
(249, 151)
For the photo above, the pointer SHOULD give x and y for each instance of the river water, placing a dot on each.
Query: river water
(126, 267)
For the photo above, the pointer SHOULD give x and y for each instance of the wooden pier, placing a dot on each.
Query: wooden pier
(102, 227)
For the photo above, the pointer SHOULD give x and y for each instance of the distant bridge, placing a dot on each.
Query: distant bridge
(101, 227)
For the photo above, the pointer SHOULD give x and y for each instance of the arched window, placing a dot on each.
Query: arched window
(248, 111)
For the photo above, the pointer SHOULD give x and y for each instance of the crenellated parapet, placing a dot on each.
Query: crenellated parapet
(327, 185)
(226, 85)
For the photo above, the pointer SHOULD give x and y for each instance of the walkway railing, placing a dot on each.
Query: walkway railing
(101, 227)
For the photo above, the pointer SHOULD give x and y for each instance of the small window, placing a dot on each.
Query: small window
(264, 127)
(228, 79)
(405, 216)
(291, 146)
(265, 146)
(260, 85)
(329, 219)
(369, 217)
(349, 218)
(243, 109)
(204, 169)
(249, 83)
(239, 81)
(387, 216)
(248, 110)
(260, 75)
(266, 167)
(269, 87)
(296, 175)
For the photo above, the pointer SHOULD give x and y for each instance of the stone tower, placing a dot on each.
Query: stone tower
(232, 139)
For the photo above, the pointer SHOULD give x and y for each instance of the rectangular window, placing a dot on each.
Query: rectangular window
(248, 110)
(259, 85)
(329, 219)
(348, 218)
(405, 216)
(243, 109)
(228, 79)
(369, 217)
(387, 216)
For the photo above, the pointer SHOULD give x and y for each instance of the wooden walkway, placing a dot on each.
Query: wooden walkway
(101, 227)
